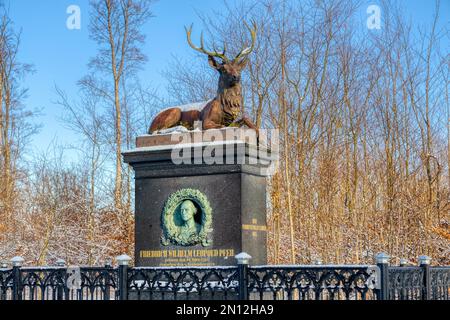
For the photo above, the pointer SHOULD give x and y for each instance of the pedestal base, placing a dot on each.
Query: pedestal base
(235, 193)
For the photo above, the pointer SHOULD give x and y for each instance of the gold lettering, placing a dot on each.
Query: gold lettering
(178, 254)
(253, 227)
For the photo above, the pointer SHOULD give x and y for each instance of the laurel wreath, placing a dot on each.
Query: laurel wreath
(170, 229)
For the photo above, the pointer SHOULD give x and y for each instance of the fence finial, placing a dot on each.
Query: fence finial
(382, 258)
(424, 260)
(17, 261)
(123, 260)
(108, 263)
(243, 258)
(60, 262)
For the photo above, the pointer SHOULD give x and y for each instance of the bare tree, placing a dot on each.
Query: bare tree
(116, 27)
(15, 125)
(85, 119)
(358, 113)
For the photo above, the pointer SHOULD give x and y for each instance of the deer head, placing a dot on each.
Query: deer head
(229, 70)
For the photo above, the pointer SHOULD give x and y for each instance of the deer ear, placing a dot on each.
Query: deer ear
(213, 63)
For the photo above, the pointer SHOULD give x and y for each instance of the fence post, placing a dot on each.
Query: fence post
(424, 262)
(17, 263)
(60, 263)
(107, 293)
(62, 290)
(243, 260)
(403, 262)
(123, 262)
(382, 261)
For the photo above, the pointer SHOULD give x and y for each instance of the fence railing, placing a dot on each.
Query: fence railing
(313, 283)
(240, 282)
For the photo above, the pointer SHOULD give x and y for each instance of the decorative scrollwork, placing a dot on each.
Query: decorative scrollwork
(183, 283)
(51, 284)
(262, 282)
(440, 283)
(6, 283)
(406, 283)
(99, 283)
(310, 283)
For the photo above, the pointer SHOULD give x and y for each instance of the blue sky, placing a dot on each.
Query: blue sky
(60, 55)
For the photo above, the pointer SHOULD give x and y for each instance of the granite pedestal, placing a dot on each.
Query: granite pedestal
(235, 190)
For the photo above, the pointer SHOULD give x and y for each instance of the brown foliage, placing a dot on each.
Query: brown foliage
(363, 132)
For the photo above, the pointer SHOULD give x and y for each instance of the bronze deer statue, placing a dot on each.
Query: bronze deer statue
(225, 108)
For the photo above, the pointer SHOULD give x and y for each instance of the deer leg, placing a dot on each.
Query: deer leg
(188, 118)
(165, 120)
(211, 125)
(246, 121)
(212, 116)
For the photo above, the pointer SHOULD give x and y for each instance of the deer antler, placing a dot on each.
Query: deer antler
(202, 48)
(246, 51)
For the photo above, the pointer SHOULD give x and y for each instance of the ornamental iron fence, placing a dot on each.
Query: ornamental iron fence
(240, 282)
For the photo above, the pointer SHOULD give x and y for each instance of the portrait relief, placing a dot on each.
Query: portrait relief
(186, 219)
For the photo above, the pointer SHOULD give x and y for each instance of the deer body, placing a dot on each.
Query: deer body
(225, 108)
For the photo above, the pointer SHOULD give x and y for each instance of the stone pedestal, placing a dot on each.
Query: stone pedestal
(229, 196)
